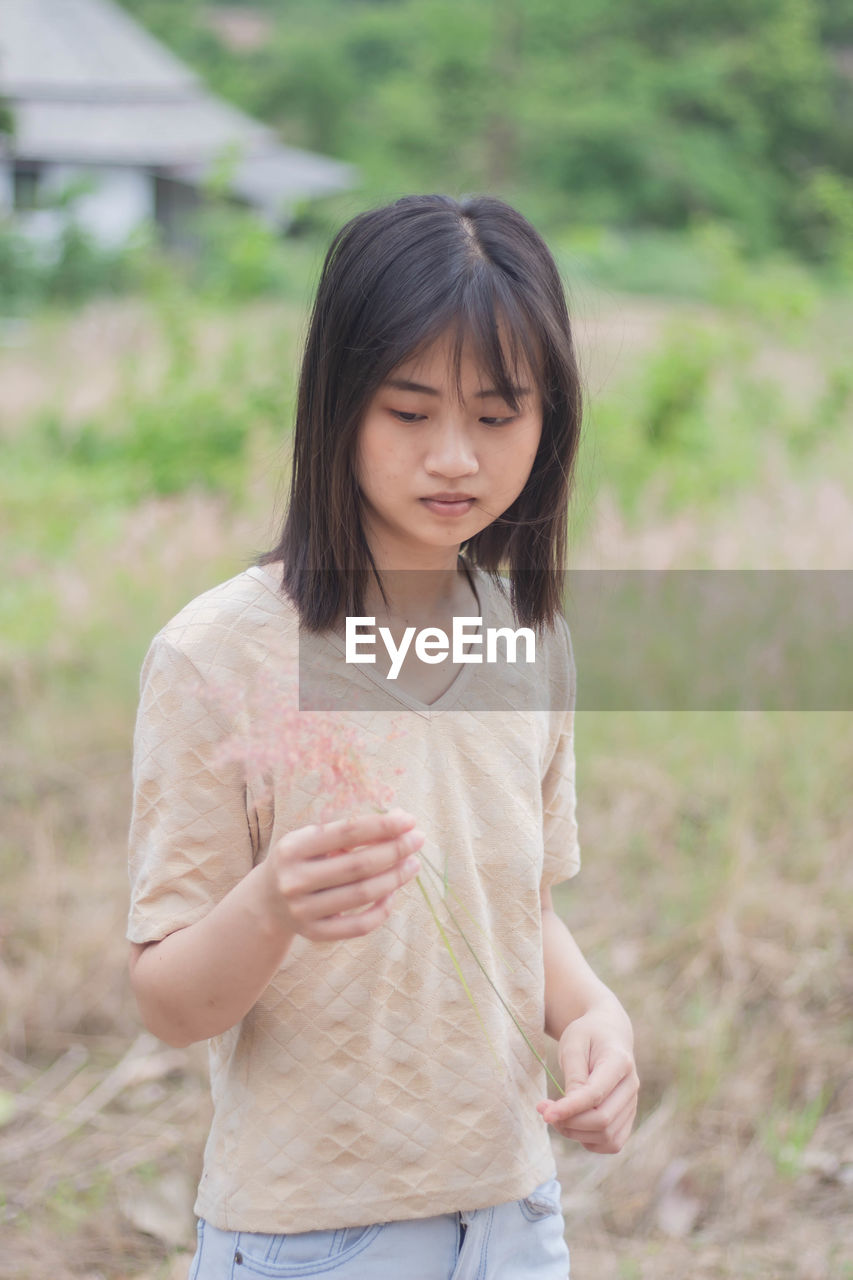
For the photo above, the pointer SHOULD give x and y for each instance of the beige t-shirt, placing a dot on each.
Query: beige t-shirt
(362, 1086)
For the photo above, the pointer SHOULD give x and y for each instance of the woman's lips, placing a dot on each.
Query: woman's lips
(442, 507)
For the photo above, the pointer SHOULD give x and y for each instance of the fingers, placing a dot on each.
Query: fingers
(326, 838)
(612, 1139)
(592, 1121)
(602, 1128)
(607, 1118)
(361, 893)
(606, 1075)
(306, 873)
(338, 879)
(356, 925)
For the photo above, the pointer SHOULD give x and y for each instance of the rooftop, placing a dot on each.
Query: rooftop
(88, 85)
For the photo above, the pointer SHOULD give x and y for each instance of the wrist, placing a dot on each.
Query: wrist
(266, 906)
(607, 1011)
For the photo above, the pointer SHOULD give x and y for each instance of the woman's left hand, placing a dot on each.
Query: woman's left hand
(601, 1082)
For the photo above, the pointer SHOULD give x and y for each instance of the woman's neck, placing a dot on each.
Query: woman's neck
(421, 596)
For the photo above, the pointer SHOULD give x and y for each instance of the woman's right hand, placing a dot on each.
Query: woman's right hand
(337, 879)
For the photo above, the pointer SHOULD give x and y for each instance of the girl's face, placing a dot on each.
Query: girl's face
(420, 442)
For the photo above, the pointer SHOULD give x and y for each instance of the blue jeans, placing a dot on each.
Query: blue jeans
(521, 1240)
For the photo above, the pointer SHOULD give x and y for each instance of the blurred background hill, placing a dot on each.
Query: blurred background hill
(691, 166)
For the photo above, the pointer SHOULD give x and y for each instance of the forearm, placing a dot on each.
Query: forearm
(325, 882)
(201, 980)
(571, 986)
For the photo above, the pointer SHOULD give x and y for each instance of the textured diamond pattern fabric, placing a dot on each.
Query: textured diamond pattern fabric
(361, 1087)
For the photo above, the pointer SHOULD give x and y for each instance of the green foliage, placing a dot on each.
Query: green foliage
(235, 256)
(691, 427)
(67, 272)
(81, 268)
(675, 389)
(662, 147)
(240, 257)
(7, 119)
(653, 262)
(787, 1131)
(194, 431)
(826, 205)
(708, 262)
(21, 272)
(188, 438)
(610, 112)
(776, 290)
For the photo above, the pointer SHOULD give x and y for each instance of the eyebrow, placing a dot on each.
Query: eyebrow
(403, 384)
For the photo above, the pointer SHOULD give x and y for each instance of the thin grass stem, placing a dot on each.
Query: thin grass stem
(537, 1055)
(469, 993)
(476, 923)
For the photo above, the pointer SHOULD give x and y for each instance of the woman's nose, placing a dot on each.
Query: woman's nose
(451, 450)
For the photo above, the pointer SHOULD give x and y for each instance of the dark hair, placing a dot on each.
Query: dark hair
(394, 280)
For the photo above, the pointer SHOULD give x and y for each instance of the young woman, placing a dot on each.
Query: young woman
(368, 1121)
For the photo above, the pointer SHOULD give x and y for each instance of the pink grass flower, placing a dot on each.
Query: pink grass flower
(275, 741)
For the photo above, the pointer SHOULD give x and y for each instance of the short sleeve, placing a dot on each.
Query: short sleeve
(190, 835)
(562, 858)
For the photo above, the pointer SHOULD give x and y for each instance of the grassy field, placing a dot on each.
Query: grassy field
(143, 447)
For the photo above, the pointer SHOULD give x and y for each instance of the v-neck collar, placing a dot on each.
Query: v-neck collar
(460, 683)
(427, 710)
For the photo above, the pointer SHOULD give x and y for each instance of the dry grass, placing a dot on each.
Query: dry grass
(724, 841)
(716, 897)
(83, 364)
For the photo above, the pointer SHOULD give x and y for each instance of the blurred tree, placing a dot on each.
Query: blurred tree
(836, 21)
(507, 68)
(597, 111)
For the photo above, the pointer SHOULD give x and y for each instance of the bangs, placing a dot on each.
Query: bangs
(483, 316)
(502, 337)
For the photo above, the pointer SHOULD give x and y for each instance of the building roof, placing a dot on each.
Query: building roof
(88, 85)
(56, 48)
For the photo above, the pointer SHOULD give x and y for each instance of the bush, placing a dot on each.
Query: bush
(691, 427)
(21, 274)
(231, 255)
(237, 256)
(189, 439)
(68, 271)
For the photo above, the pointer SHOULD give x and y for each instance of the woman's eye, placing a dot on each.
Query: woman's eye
(404, 415)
